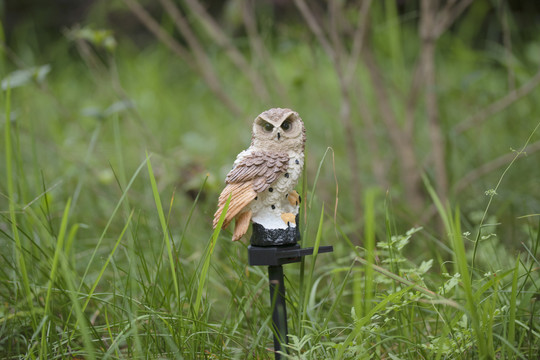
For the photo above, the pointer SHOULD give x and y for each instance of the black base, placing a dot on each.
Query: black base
(274, 237)
(279, 255)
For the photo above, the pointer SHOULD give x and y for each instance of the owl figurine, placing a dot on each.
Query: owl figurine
(262, 180)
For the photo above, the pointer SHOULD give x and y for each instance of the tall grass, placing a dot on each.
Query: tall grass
(137, 296)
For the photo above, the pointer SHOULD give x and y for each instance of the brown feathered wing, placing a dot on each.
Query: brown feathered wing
(252, 175)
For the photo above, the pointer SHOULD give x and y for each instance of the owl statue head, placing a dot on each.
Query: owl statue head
(279, 129)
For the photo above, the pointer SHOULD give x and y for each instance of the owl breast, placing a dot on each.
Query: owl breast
(271, 203)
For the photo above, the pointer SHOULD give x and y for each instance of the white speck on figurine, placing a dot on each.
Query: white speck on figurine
(261, 183)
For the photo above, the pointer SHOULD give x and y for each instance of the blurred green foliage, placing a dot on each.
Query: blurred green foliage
(89, 98)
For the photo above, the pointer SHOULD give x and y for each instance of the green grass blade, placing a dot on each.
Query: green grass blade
(317, 176)
(188, 220)
(369, 244)
(109, 222)
(453, 229)
(339, 294)
(463, 269)
(304, 298)
(52, 277)
(513, 352)
(19, 254)
(102, 236)
(512, 310)
(208, 256)
(82, 321)
(164, 228)
(109, 258)
(122, 181)
(71, 238)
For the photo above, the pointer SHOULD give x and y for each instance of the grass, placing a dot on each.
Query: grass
(107, 250)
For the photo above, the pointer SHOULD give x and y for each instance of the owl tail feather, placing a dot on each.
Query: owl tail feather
(241, 225)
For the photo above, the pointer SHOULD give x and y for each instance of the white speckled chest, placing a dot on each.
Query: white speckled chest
(271, 203)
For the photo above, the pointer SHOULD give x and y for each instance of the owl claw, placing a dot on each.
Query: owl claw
(294, 198)
(288, 218)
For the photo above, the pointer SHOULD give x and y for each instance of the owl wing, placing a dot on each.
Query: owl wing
(251, 175)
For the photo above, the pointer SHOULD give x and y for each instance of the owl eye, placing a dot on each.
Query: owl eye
(267, 127)
(287, 125)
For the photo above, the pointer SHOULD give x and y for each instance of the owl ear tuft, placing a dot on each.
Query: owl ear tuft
(292, 115)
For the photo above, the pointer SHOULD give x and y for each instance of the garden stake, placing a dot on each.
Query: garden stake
(274, 257)
(260, 190)
(279, 307)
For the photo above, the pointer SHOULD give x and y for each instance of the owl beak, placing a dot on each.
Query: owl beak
(278, 135)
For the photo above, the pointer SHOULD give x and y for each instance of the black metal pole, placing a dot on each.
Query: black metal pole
(274, 257)
(279, 307)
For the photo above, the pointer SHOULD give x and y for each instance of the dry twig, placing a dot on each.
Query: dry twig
(491, 166)
(200, 64)
(219, 36)
(345, 108)
(429, 32)
(258, 49)
(434, 21)
(403, 145)
(500, 104)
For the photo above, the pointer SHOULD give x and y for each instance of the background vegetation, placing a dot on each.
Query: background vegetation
(121, 119)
